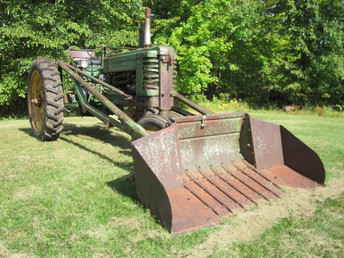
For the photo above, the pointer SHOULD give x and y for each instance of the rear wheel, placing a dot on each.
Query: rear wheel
(153, 123)
(45, 100)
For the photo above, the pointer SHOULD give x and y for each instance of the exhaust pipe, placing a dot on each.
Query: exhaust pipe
(145, 30)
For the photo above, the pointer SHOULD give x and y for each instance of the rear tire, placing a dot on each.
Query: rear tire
(153, 123)
(45, 100)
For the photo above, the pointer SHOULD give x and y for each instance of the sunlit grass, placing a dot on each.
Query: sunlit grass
(75, 196)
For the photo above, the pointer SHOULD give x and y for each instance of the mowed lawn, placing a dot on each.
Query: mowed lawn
(75, 197)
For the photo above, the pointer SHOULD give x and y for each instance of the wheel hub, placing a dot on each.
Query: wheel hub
(36, 101)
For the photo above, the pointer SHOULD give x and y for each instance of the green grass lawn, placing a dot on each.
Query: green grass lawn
(74, 197)
(321, 235)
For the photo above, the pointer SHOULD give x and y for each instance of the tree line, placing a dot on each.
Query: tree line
(270, 52)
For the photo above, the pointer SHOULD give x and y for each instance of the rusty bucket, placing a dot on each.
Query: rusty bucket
(201, 168)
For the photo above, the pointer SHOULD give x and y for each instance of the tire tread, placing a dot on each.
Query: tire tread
(53, 99)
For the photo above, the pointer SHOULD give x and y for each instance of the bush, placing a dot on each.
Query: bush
(31, 29)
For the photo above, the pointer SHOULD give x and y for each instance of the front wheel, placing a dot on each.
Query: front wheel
(45, 100)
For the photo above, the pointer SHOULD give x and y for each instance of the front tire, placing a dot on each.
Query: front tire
(45, 100)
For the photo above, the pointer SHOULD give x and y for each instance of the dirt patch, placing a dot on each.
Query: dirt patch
(99, 232)
(250, 224)
(25, 193)
(132, 223)
(149, 234)
(3, 163)
(137, 225)
(4, 252)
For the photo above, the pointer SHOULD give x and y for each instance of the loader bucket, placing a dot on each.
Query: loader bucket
(200, 168)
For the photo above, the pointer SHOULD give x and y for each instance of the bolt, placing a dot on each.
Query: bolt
(35, 101)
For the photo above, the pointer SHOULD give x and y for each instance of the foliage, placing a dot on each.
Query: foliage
(261, 51)
(315, 51)
(268, 52)
(29, 29)
(205, 40)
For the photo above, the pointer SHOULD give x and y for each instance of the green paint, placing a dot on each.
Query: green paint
(93, 70)
(128, 125)
(127, 61)
(136, 61)
(82, 100)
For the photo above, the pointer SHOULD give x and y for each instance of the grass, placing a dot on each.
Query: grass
(321, 235)
(75, 196)
(237, 106)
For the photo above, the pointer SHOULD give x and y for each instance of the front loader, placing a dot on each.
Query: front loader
(192, 166)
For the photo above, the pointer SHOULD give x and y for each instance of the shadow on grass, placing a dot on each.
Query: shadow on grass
(124, 185)
(28, 131)
(98, 133)
(124, 165)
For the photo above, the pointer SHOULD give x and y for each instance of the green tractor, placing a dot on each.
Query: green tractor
(137, 86)
(191, 165)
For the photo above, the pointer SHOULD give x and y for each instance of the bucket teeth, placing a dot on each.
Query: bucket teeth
(229, 188)
(204, 195)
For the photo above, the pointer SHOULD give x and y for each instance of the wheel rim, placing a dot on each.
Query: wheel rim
(36, 105)
(152, 128)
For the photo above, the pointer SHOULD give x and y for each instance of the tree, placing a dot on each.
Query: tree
(317, 38)
(204, 41)
(264, 52)
(29, 29)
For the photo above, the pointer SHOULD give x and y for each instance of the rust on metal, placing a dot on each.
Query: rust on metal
(147, 28)
(221, 168)
(168, 57)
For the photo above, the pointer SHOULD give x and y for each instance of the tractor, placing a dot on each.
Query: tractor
(192, 166)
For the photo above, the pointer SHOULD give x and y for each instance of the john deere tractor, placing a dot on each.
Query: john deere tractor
(191, 165)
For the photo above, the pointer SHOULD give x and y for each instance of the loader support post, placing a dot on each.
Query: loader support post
(106, 85)
(97, 113)
(129, 125)
(202, 110)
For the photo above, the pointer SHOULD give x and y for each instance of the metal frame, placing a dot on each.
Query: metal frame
(125, 122)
